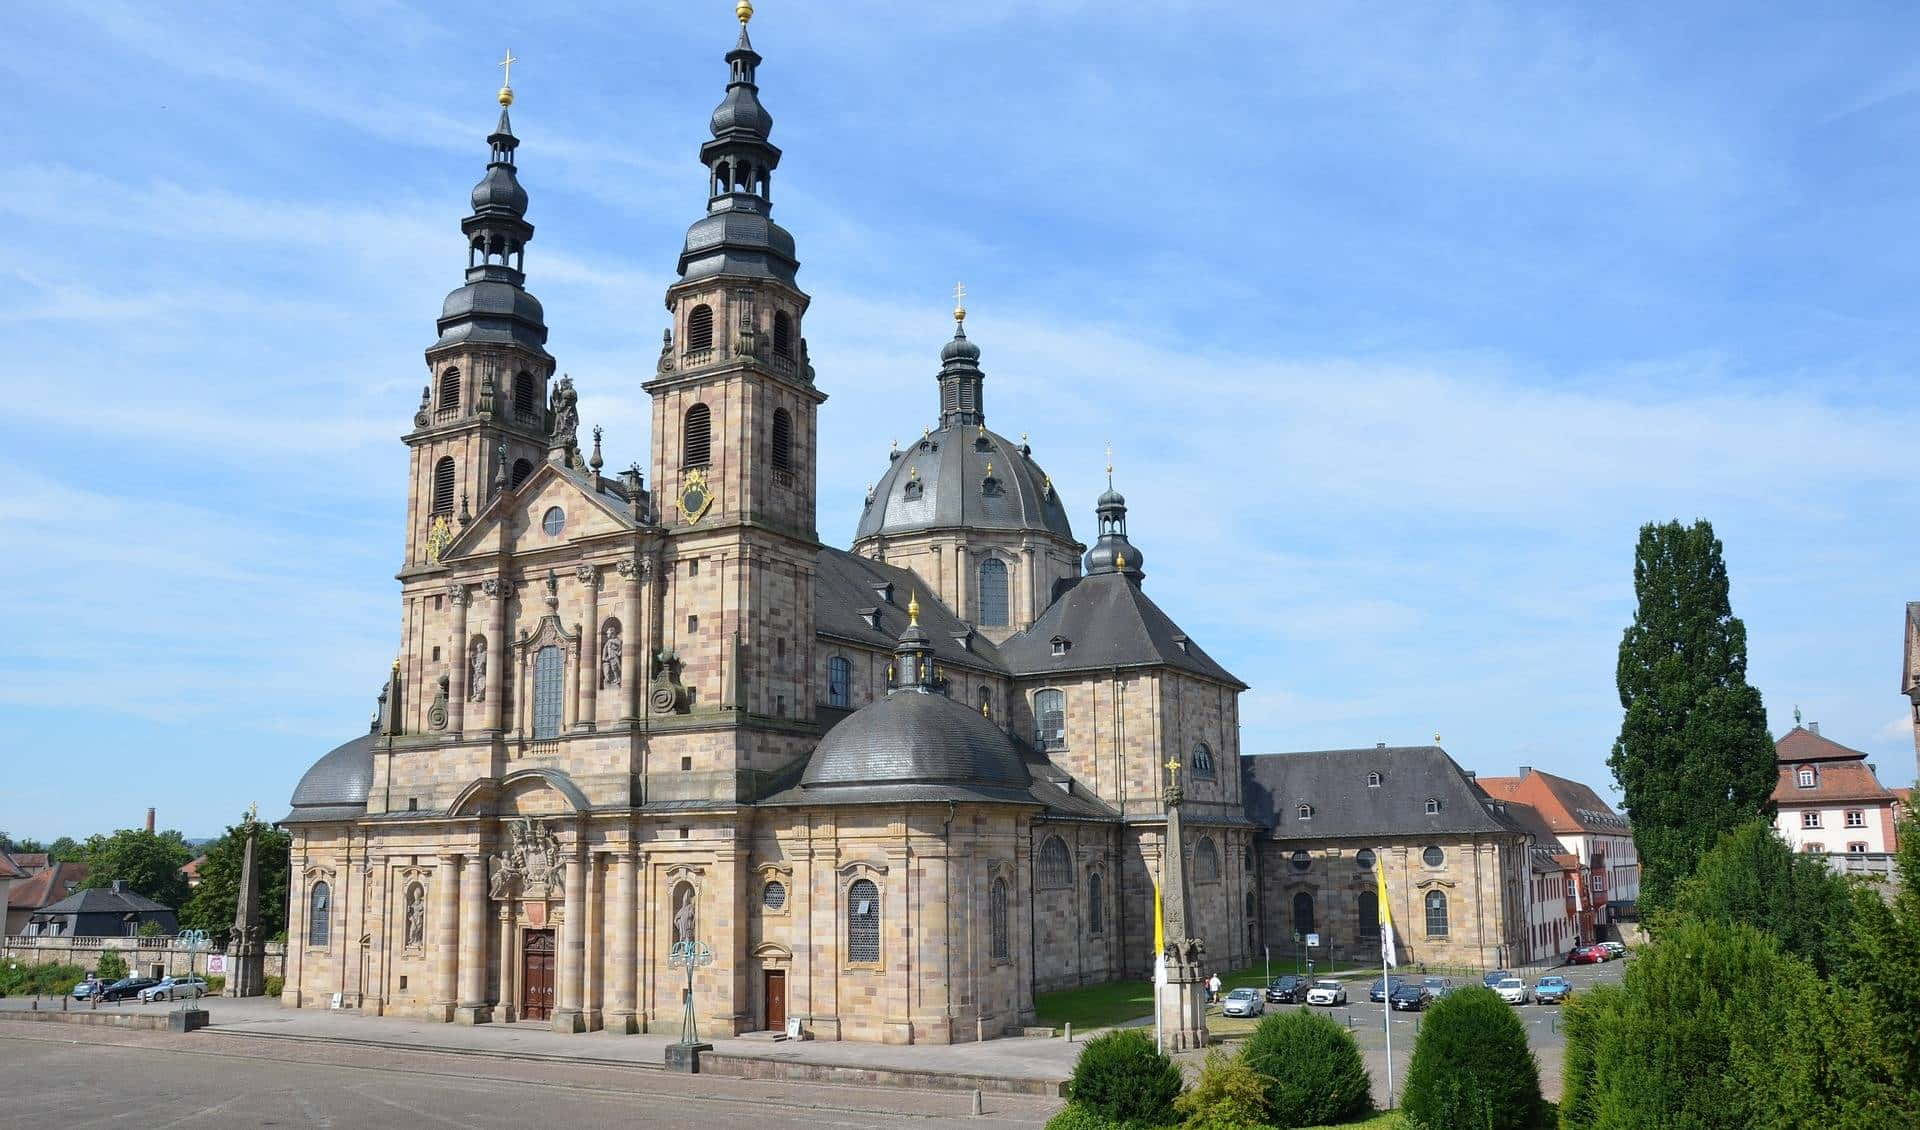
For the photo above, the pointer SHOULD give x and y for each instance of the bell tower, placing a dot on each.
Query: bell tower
(482, 422)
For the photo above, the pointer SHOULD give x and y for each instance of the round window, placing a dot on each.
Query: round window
(554, 522)
(1301, 861)
(1364, 857)
(1433, 856)
(775, 895)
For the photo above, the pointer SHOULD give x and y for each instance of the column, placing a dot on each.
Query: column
(472, 1008)
(290, 986)
(500, 589)
(594, 946)
(573, 935)
(509, 1009)
(446, 936)
(459, 661)
(963, 566)
(590, 645)
(620, 1006)
(633, 639)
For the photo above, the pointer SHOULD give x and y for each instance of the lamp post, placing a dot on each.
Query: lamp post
(684, 1054)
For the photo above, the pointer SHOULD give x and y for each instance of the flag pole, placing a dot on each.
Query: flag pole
(1386, 963)
(1159, 967)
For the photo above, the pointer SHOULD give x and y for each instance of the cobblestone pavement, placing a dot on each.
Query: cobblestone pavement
(79, 1077)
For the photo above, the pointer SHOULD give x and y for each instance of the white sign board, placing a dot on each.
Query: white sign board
(216, 963)
(1313, 939)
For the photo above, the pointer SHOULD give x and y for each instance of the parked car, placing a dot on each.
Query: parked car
(1243, 1002)
(1512, 990)
(1614, 949)
(1436, 987)
(126, 987)
(1328, 993)
(175, 989)
(1382, 986)
(1552, 990)
(1494, 978)
(1407, 997)
(1290, 989)
(1586, 955)
(87, 988)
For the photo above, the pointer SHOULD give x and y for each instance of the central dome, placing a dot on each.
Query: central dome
(916, 745)
(942, 481)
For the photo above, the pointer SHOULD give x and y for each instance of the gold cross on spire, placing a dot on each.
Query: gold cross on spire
(506, 78)
(1173, 767)
(959, 302)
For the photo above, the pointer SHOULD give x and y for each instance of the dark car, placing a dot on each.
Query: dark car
(1495, 977)
(1408, 997)
(1290, 989)
(127, 987)
(1378, 990)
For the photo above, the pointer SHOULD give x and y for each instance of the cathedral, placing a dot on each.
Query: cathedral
(892, 791)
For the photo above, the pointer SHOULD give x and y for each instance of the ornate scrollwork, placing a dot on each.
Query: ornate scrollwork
(632, 568)
(531, 867)
(458, 595)
(499, 588)
(588, 575)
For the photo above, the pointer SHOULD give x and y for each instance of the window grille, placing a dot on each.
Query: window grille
(839, 682)
(997, 918)
(700, 328)
(443, 482)
(548, 674)
(1300, 860)
(696, 445)
(1203, 762)
(782, 440)
(1436, 914)
(320, 915)
(991, 598)
(774, 895)
(526, 398)
(863, 921)
(783, 334)
(1056, 870)
(1433, 856)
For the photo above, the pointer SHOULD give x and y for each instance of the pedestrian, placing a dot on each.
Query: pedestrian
(1213, 987)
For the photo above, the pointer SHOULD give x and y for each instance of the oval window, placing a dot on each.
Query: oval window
(1433, 856)
(1301, 861)
(1364, 857)
(554, 522)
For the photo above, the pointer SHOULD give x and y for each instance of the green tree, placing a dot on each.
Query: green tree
(1313, 1068)
(1694, 757)
(1881, 960)
(1753, 876)
(20, 847)
(148, 862)
(111, 966)
(1471, 1066)
(211, 905)
(1583, 1020)
(1122, 1078)
(65, 850)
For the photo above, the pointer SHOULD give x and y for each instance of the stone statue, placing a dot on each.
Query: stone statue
(477, 671)
(566, 413)
(416, 915)
(531, 866)
(683, 916)
(610, 655)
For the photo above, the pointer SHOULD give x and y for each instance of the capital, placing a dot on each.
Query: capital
(633, 568)
(499, 588)
(457, 593)
(589, 575)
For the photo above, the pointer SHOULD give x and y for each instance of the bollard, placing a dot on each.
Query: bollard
(976, 1102)
(1069, 1031)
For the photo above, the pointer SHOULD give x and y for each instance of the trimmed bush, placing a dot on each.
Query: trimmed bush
(111, 966)
(1122, 1078)
(1314, 1072)
(1228, 1096)
(274, 985)
(1073, 1116)
(216, 983)
(1471, 1066)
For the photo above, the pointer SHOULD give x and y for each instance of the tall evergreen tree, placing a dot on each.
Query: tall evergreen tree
(1693, 757)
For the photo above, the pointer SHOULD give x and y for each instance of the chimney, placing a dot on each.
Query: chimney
(1813, 728)
(149, 820)
(120, 885)
(1525, 769)
(1379, 745)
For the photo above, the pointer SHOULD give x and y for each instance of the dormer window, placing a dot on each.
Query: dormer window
(1433, 806)
(1304, 812)
(872, 617)
(884, 591)
(1061, 645)
(1373, 780)
(1181, 641)
(913, 490)
(1807, 778)
(990, 487)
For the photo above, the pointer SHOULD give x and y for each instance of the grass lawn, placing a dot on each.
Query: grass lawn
(1102, 1006)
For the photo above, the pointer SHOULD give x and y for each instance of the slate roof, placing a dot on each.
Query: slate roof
(1108, 621)
(47, 886)
(845, 583)
(336, 787)
(1334, 782)
(912, 745)
(1569, 807)
(952, 465)
(104, 900)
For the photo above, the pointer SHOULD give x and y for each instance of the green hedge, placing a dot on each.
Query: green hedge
(1124, 1079)
(274, 985)
(1313, 1069)
(1472, 1067)
(46, 979)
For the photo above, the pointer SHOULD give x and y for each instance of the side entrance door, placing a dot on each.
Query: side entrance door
(536, 976)
(776, 999)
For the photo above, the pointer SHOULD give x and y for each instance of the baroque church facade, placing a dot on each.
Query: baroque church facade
(895, 790)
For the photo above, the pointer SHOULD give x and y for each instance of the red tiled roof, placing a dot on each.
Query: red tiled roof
(192, 869)
(1834, 781)
(8, 870)
(1801, 744)
(1903, 795)
(1569, 807)
(48, 887)
(30, 861)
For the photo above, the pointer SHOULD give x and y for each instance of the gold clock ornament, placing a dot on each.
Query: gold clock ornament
(696, 497)
(439, 537)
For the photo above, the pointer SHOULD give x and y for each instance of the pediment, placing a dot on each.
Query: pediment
(512, 523)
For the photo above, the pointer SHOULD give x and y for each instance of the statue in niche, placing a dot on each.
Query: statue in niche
(416, 915)
(683, 914)
(477, 671)
(610, 649)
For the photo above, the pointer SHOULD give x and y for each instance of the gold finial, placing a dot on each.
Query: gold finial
(744, 9)
(959, 302)
(396, 664)
(1436, 737)
(506, 78)
(983, 431)
(913, 610)
(989, 468)
(1120, 561)
(913, 472)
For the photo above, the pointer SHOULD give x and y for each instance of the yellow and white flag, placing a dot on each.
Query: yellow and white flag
(1387, 953)
(1159, 940)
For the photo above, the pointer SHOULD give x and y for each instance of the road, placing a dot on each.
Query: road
(76, 1077)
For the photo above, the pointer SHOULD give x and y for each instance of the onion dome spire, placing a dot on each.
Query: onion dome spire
(737, 235)
(961, 394)
(1113, 553)
(913, 668)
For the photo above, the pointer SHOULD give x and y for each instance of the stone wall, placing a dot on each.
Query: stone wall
(144, 956)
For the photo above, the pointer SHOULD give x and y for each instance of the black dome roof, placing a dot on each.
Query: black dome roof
(916, 745)
(337, 785)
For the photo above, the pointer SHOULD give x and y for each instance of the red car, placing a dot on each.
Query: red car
(1587, 955)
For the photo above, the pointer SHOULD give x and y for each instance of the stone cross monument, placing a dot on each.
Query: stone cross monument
(246, 956)
(1182, 1002)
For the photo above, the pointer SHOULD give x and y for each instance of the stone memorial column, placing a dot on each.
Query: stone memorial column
(446, 936)
(473, 1008)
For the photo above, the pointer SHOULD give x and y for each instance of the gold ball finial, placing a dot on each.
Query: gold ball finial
(506, 79)
(744, 9)
(913, 610)
(506, 96)
(959, 302)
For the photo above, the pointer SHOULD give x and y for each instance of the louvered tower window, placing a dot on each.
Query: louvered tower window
(700, 328)
(863, 922)
(526, 399)
(443, 482)
(548, 674)
(449, 392)
(696, 445)
(521, 469)
(1056, 870)
(782, 440)
(991, 600)
(783, 334)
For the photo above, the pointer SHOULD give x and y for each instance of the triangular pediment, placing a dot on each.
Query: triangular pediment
(515, 521)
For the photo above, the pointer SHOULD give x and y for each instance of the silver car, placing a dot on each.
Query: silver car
(1243, 1002)
(175, 989)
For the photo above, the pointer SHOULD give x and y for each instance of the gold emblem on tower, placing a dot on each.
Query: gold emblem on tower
(696, 497)
(439, 537)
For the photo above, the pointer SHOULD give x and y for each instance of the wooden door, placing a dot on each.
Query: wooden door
(536, 976)
(776, 999)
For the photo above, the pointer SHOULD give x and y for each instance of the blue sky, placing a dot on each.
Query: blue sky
(1400, 319)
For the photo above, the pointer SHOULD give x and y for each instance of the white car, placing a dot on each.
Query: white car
(174, 989)
(1512, 990)
(1327, 993)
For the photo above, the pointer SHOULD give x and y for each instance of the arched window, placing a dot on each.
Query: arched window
(863, 922)
(700, 328)
(986, 701)
(449, 392)
(1206, 861)
(521, 469)
(782, 440)
(1096, 906)
(1369, 914)
(526, 397)
(1203, 761)
(549, 673)
(1249, 901)
(839, 682)
(991, 600)
(1303, 913)
(782, 334)
(1436, 914)
(443, 481)
(696, 444)
(1050, 719)
(320, 915)
(773, 896)
(997, 919)
(1056, 870)
(1373, 780)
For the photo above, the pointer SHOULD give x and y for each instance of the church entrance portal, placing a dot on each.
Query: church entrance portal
(536, 976)
(776, 999)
